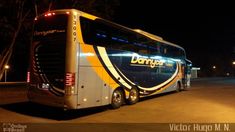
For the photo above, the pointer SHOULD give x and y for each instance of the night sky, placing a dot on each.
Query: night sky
(206, 31)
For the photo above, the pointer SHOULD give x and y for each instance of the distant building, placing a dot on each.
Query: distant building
(194, 72)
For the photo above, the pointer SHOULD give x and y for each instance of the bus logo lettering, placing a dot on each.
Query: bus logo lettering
(141, 61)
(44, 33)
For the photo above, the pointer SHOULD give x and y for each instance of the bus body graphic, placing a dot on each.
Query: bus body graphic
(136, 77)
(80, 61)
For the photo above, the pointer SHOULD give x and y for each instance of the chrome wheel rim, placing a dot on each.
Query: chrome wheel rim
(133, 95)
(117, 97)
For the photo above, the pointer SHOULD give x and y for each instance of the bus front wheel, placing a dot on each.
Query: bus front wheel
(117, 98)
(178, 87)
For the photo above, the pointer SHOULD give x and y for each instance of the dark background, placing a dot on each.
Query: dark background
(205, 30)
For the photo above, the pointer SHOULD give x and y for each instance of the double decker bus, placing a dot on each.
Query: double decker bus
(79, 60)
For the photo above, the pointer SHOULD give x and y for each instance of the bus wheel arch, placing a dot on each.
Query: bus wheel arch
(133, 96)
(118, 97)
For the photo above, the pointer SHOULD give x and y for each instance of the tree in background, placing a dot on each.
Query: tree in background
(101, 8)
(13, 16)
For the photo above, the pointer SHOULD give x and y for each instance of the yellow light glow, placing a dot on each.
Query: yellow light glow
(6, 66)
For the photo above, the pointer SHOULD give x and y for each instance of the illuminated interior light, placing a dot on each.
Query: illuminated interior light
(101, 35)
(49, 14)
(106, 97)
(114, 38)
(67, 12)
(84, 99)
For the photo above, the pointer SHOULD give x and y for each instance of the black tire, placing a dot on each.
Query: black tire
(117, 98)
(133, 96)
(178, 87)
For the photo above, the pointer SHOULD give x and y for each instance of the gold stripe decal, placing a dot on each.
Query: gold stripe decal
(118, 74)
(92, 58)
(109, 65)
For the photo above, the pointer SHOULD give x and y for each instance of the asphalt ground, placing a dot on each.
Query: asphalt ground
(208, 104)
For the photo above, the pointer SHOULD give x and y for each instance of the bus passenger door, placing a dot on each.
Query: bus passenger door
(183, 75)
(188, 73)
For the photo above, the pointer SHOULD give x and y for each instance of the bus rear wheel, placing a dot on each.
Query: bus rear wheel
(117, 98)
(133, 96)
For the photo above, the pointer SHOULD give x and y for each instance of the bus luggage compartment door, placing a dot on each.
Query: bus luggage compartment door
(89, 88)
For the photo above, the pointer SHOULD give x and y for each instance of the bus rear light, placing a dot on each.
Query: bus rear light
(49, 14)
(70, 79)
(28, 77)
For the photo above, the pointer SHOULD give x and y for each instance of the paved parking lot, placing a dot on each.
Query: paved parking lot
(207, 101)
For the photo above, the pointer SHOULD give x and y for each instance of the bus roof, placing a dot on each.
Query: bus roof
(152, 36)
(157, 38)
(149, 35)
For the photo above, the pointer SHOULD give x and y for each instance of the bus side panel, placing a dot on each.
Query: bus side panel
(93, 85)
(92, 90)
(89, 89)
(106, 89)
(170, 88)
(173, 86)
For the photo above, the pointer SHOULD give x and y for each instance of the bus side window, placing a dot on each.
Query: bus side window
(165, 50)
(154, 48)
(143, 51)
(162, 49)
(94, 33)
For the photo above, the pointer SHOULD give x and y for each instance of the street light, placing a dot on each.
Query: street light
(233, 62)
(214, 67)
(6, 67)
(233, 66)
